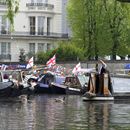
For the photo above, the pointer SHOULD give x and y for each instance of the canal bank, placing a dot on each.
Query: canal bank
(113, 66)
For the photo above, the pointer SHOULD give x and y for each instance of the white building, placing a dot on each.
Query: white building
(38, 27)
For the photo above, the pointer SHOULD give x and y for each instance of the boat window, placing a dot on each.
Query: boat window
(83, 79)
(14, 74)
(6, 76)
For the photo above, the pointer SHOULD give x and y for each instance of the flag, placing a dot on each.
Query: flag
(76, 68)
(51, 61)
(30, 63)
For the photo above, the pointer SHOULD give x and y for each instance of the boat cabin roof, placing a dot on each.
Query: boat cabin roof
(50, 77)
(77, 80)
(7, 74)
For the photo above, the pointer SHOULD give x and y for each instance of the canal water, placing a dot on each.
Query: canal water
(44, 112)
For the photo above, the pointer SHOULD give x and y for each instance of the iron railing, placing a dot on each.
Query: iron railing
(41, 34)
(39, 5)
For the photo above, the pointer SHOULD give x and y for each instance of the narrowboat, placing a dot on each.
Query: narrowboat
(11, 84)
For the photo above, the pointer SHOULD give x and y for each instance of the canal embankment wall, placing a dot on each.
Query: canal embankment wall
(113, 66)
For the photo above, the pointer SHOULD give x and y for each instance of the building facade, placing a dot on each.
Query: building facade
(38, 26)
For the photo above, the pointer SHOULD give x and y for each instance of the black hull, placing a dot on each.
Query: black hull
(62, 89)
(40, 90)
(10, 92)
(49, 90)
(58, 89)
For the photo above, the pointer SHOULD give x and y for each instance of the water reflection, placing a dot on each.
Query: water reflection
(43, 113)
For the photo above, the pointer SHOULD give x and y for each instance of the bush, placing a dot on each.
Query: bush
(65, 52)
(69, 52)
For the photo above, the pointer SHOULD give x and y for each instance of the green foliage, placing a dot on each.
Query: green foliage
(22, 56)
(13, 7)
(69, 52)
(65, 52)
(43, 57)
(99, 27)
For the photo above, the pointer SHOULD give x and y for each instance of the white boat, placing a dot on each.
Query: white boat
(11, 84)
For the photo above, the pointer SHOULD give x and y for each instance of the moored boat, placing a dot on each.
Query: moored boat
(52, 83)
(76, 85)
(11, 84)
(44, 83)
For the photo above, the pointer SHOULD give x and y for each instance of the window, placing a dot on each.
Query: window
(32, 25)
(2, 2)
(32, 47)
(5, 50)
(45, 1)
(42, 1)
(48, 46)
(48, 25)
(39, 1)
(41, 46)
(32, 1)
(41, 25)
(4, 25)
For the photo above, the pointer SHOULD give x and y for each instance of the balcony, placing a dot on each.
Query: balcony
(4, 32)
(40, 6)
(34, 35)
(2, 5)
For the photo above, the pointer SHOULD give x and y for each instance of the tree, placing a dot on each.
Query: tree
(117, 17)
(22, 57)
(86, 21)
(99, 27)
(69, 52)
(12, 9)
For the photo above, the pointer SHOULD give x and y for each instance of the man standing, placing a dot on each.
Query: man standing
(103, 67)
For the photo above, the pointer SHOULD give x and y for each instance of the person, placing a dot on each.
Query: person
(103, 68)
(23, 75)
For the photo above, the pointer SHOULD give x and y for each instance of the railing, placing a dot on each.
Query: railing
(39, 6)
(5, 56)
(4, 32)
(38, 34)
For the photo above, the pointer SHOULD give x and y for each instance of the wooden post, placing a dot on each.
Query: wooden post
(92, 83)
(106, 91)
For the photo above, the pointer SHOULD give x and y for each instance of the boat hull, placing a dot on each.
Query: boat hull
(98, 99)
(55, 88)
(62, 89)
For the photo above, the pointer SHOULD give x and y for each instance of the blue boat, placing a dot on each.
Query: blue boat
(52, 83)
(44, 83)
